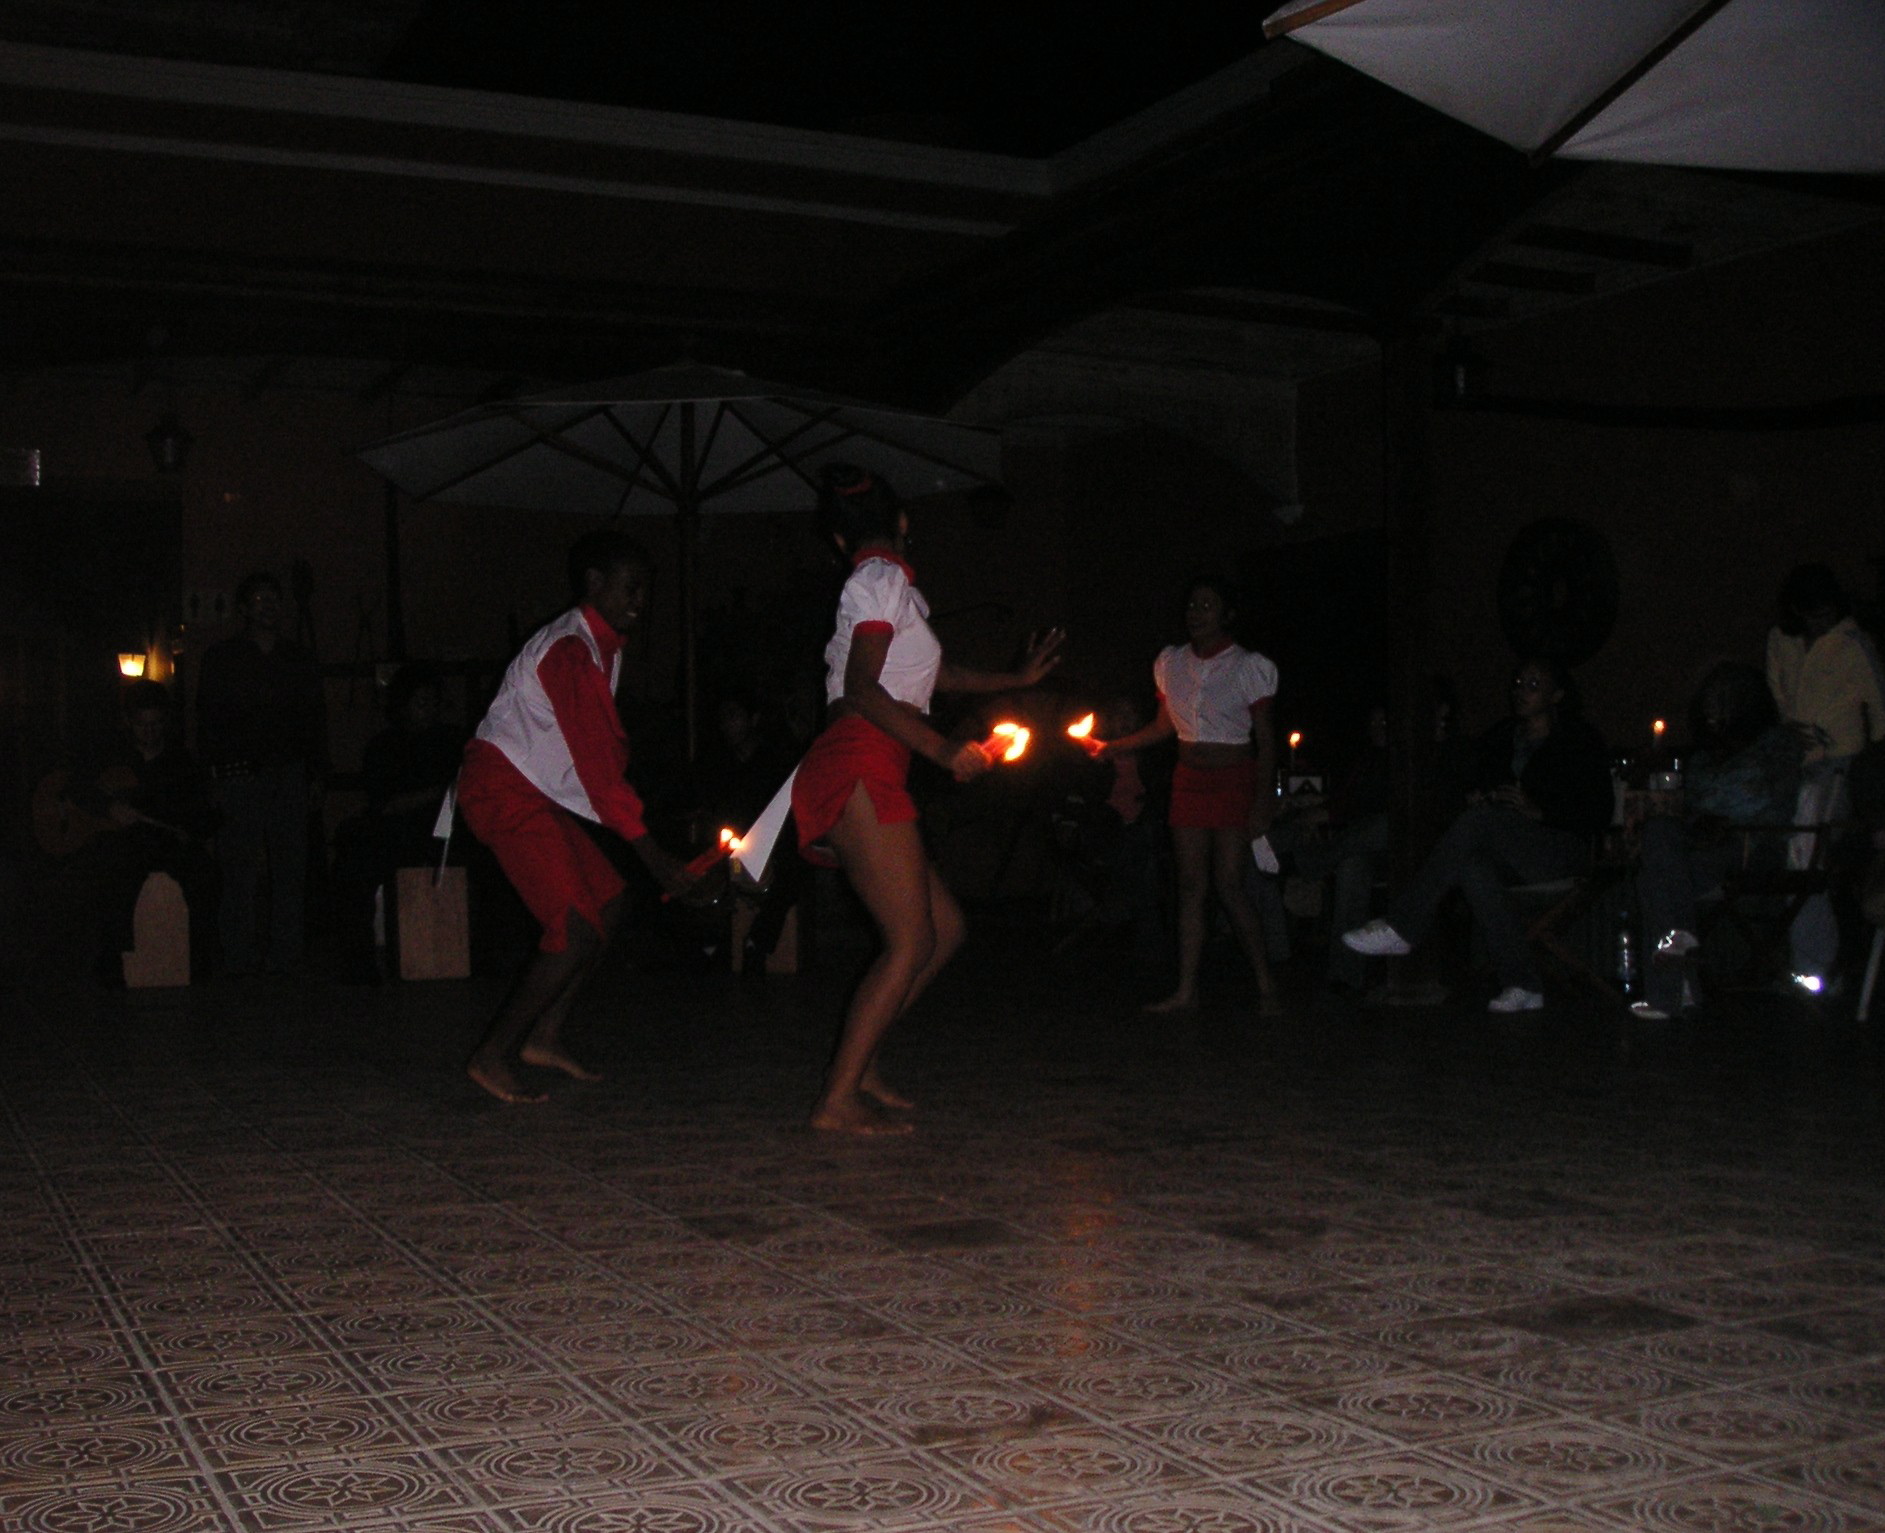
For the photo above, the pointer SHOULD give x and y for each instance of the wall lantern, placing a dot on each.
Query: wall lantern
(169, 444)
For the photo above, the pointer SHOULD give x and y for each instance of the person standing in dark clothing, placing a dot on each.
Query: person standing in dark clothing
(260, 723)
(1543, 796)
(154, 805)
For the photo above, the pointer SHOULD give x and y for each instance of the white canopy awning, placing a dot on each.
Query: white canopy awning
(1778, 85)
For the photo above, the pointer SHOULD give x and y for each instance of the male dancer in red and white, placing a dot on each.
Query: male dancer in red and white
(1215, 696)
(551, 750)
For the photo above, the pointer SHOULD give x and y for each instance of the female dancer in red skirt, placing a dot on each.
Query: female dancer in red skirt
(1215, 696)
(881, 667)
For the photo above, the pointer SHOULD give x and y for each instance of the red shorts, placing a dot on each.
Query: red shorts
(849, 752)
(542, 848)
(1213, 798)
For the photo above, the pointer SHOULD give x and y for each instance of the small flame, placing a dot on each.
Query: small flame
(1080, 728)
(1017, 736)
(1295, 738)
(1657, 728)
(727, 838)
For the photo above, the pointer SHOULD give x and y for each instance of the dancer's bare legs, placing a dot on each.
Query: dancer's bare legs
(1191, 861)
(530, 1023)
(946, 918)
(890, 871)
(1230, 858)
(1213, 861)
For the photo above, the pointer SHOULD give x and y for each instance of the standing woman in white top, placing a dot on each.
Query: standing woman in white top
(881, 667)
(1215, 696)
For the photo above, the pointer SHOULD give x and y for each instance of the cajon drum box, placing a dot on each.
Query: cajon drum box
(160, 936)
(434, 928)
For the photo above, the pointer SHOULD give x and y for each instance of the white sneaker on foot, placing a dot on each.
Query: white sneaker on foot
(1378, 940)
(1516, 998)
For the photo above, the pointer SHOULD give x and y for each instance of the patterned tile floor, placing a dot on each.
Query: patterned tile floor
(267, 1265)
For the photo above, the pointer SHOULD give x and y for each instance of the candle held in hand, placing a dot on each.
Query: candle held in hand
(1006, 742)
(1081, 733)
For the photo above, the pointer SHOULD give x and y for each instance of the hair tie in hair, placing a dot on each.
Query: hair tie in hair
(863, 484)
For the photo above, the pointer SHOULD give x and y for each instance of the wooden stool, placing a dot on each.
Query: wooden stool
(160, 936)
(434, 928)
(784, 957)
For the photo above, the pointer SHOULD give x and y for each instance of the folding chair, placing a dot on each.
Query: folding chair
(1746, 934)
(1562, 929)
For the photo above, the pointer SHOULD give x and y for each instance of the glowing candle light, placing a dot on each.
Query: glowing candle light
(1656, 728)
(1295, 739)
(131, 665)
(727, 846)
(1006, 742)
(1081, 733)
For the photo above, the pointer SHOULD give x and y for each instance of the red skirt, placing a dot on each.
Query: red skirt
(1213, 798)
(550, 861)
(849, 752)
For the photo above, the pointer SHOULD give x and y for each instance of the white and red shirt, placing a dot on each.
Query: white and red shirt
(555, 720)
(881, 596)
(1213, 698)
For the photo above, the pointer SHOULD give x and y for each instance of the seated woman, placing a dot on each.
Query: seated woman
(1543, 795)
(1744, 769)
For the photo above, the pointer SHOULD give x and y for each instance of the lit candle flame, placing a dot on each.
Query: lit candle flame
(1657, 728)
(728, 839)
(1007, 742)
(130, 664)
(1295, 738)
(1081, 733)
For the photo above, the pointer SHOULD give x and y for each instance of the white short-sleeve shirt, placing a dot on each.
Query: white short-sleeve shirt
(880, 593)
(1213, 698)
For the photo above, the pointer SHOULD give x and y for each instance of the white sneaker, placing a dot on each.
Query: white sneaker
(1378, 940)
(1516, 998)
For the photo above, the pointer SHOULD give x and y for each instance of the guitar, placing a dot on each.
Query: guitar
(62, 827)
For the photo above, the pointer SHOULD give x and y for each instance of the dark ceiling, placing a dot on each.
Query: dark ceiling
(1027, 77)
(930, 188)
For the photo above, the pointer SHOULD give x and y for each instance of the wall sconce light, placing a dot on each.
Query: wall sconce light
(169, 444)
(131, 665)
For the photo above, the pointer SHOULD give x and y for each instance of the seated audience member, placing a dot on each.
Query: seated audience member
(1352, 853)
(405, 770)
(1826, 679)
(1543, 795)
(740, 771)
(1743, 769)
(159, 805)
(1108, 815)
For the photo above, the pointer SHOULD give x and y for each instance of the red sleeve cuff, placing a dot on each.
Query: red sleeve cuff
(1260, 704)
(875, 625)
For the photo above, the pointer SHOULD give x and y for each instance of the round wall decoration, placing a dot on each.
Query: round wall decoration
(1558, 590)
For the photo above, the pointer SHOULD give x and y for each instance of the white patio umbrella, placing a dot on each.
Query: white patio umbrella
(1775, 85)
(682, 441)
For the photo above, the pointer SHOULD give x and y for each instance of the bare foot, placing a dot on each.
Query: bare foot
(855, 1116)
(556, 1059)
(879, 1090)
(502, 1084)
(1176, 1002)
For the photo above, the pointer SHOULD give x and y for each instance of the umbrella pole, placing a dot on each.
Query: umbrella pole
(688, 510)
